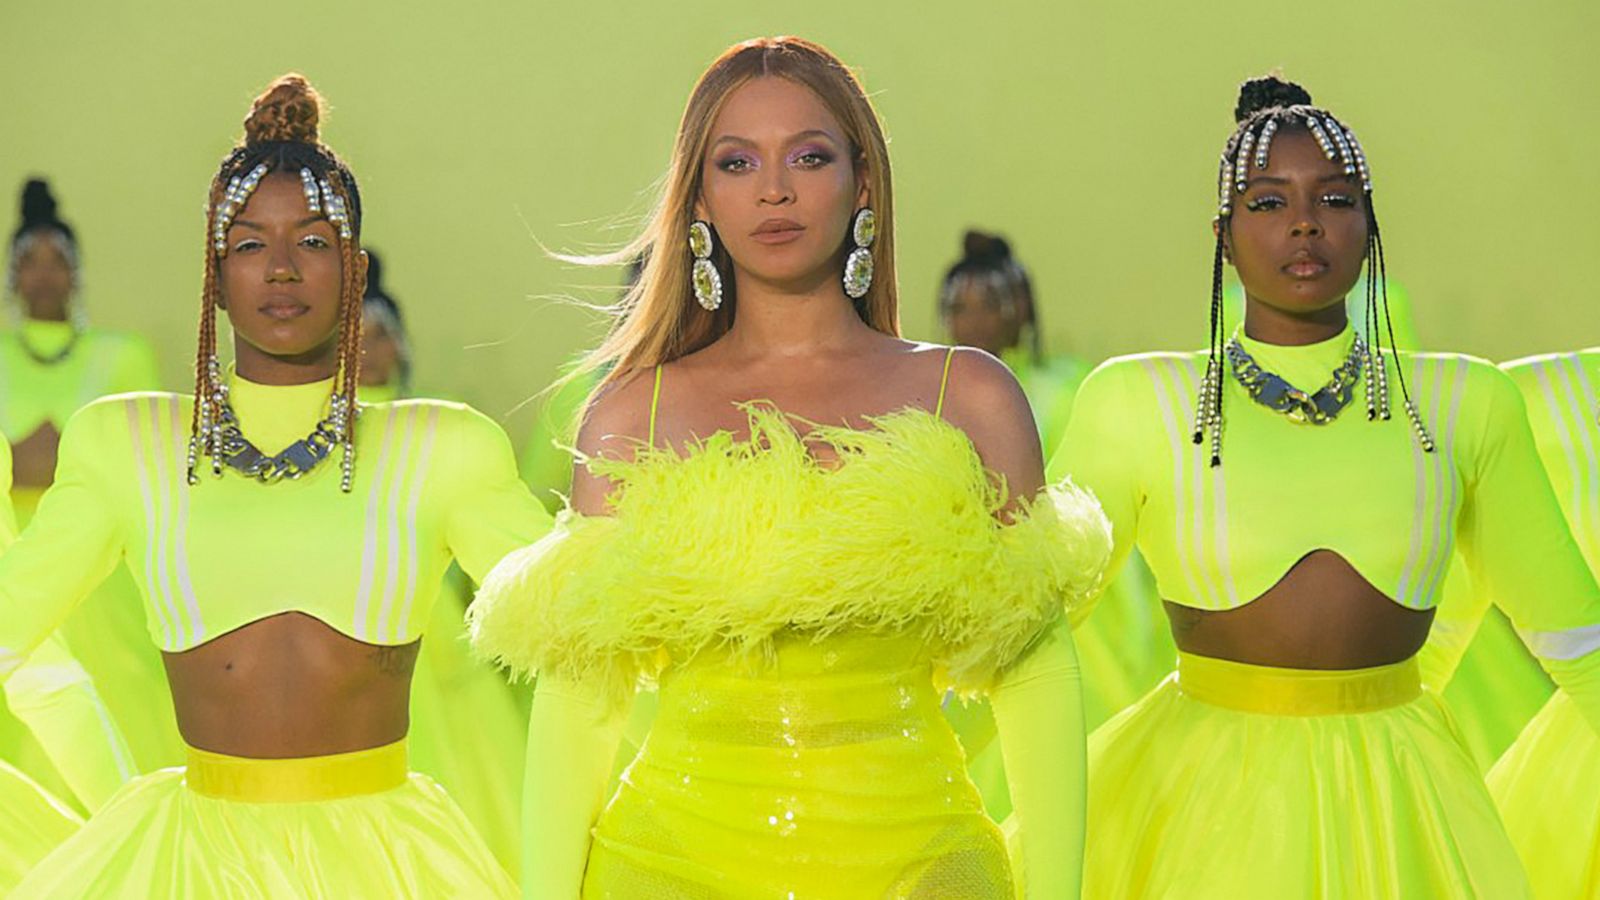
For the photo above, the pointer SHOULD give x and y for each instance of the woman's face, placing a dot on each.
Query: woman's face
(281, 278)
(44, 277)
(779, 185)
(1298, 234)
(978, 315)
(380, 353)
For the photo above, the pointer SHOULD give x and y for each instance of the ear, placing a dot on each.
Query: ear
(863, 196)
(1227, 239)
(361, 271)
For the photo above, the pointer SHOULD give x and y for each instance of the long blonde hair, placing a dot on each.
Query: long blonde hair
(658, 319)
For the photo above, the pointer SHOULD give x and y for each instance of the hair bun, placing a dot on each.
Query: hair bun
(38, 204)
(1266, 92)
(290, 109)
(979, 246)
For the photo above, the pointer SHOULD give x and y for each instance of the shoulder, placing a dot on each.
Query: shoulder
(119, 407)
(458, 426)
(1456, 376)
(1545, 368)
(983, 399)
(1168, 376)
(616, 420)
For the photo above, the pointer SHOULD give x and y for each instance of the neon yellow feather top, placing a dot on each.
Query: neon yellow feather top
(1217, 538)
(736, 540)
(433, 481)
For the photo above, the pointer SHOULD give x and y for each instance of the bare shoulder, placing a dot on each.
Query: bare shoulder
(983, 398)
(616, 423)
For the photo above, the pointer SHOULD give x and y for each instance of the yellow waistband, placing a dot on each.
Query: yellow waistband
(297, 780)
(1297, 692)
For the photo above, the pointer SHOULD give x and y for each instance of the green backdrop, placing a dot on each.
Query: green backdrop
(485, 132)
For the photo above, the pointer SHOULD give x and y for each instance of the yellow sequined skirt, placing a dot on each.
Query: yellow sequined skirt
(826, 771)
(1548, 789)
(1238, 781)
(350, 825)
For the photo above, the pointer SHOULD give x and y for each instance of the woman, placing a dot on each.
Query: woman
(1547, 785)
(51, 363)
(452, 694)
(801, 527)
(1294, 753)
(986, 301)
(289, 543)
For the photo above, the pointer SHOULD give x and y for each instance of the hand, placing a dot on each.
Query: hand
(33, 459)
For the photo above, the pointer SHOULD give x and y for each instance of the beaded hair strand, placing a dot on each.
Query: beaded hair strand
(1250, 144)
(281, 137)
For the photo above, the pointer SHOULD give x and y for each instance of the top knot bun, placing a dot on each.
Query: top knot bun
(1266, 92)
(289, 110)
(987, 248)
(38, 204)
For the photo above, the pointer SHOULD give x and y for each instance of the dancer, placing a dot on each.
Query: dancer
(53, 361)
(1547, 785)
(1299, 490)
(289, 543)
(802, 528)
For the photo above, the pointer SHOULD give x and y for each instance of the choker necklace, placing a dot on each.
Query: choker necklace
(48, 359)
(1275, 393)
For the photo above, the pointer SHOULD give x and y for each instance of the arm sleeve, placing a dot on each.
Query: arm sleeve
(1038, 709)
(1520, 551)
(573, 736)
(42, 577)
(491, 511)
(1097, 453)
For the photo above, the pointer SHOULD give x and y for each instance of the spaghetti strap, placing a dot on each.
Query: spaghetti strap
(944, 382)
(655, 398)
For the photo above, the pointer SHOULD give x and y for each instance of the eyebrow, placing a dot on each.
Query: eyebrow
(308, 220)
(804, 135)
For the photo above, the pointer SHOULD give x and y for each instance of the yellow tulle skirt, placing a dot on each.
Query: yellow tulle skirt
(32, 823)
(828, 773)
(351, 825)
(1237, 781)
(1548, 789)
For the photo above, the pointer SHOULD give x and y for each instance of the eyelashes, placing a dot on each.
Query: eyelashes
(310, 242)
(803, 158)
(1334, 199)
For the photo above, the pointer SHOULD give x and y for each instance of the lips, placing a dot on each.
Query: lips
(1305, 266)
(283, 308)
(778, 231)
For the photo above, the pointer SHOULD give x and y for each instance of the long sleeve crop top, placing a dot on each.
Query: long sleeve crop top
(1218, 537)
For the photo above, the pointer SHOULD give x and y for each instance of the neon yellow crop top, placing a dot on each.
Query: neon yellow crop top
(1217, 538)
(100, 363)
(433, 481)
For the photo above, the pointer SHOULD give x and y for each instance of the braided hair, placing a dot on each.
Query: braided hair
(1266, 106)
(281, 135)
(987, 264)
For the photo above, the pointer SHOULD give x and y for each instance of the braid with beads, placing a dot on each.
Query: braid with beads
(1267, 106)
(281, 136)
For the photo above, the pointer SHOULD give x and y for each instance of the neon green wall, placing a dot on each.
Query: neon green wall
(1088, 133)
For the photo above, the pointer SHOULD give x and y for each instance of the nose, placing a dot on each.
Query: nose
(281, 268)
(1306, 226)
(776, 187)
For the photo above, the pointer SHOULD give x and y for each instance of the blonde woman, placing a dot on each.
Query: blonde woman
(802, 528)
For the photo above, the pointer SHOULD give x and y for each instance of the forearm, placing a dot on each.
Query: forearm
(572, 739)
(1038, 709)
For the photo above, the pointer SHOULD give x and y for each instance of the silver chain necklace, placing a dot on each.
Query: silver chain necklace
(1275, 393)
